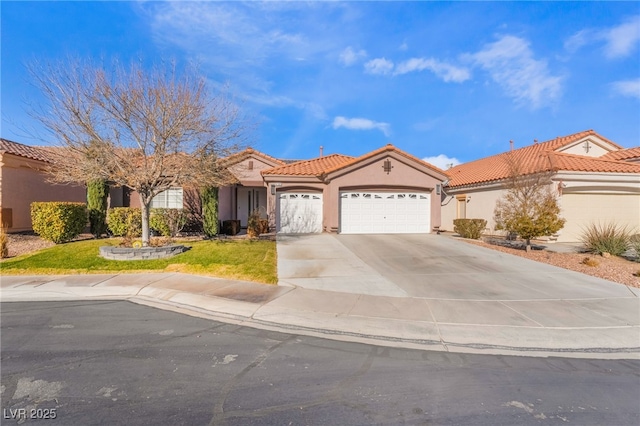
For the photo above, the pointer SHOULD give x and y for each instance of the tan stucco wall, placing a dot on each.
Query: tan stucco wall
(586, 198)
(22, 182)
(403, 176)
(480, 205)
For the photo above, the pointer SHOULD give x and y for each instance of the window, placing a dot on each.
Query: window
(169, 199)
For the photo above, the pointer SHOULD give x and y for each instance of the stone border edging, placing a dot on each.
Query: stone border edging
(142, 253)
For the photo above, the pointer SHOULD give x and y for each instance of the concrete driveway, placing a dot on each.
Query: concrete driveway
(429, 266)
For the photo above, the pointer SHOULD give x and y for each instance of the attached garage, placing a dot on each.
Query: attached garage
(299, 212)
(384, 212)
(583, 209)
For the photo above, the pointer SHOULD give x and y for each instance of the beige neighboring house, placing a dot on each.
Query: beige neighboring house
(23, 180)
(596, 181)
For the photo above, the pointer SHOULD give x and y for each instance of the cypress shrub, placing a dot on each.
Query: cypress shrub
(58, 221)
(97, 194)
(209, 199)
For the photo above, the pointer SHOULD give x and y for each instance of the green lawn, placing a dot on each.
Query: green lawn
(243, 260)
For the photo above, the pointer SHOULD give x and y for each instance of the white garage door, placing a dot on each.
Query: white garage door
(384, 212)
(300, 213)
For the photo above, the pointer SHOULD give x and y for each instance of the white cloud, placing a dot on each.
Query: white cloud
(578, 40)
(446, 72)
(378, 66)
(619, 41)
(511, 64)
(442, 161)
(361, 124)
(349, 56)
(623, 39)
(630, 88)
(443, 70)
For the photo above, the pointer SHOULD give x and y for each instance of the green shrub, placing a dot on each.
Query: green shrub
(469, 228)
(4, 243)
(608, 238)
(209, 201)
(97, 194)
(125, 222)
(58, 221)
(167, 222)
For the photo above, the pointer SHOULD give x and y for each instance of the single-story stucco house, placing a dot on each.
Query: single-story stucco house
(596, 181)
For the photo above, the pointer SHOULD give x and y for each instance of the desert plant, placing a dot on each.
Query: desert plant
(607, 238)
(58, 221)
(469, 228)
(529, 206)
(4, 243)
(97, 194)
(589, 261)
(125, 222)
(634, 242)
(168, 222)
(209, 201)
(254, 225)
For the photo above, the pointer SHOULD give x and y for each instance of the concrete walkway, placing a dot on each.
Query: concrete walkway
(598, 327)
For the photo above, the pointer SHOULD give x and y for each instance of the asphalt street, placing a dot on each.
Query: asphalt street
(114, 362)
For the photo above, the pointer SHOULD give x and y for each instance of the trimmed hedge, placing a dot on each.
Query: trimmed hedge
(125, 221)
(168, 222)
(58, 221)
(469, 228)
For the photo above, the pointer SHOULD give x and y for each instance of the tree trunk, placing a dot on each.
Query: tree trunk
(528, 247)
(145, 202)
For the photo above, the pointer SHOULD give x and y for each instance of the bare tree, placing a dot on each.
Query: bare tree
(148, 130)
(529, 208)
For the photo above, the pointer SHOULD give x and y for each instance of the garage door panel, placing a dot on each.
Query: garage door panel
(384, 212)
(299, 213)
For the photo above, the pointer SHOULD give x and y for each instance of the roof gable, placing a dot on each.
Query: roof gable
(251, 153)
(537, 158)
(386, 150)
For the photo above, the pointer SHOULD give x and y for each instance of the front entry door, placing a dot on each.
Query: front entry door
(250, 199)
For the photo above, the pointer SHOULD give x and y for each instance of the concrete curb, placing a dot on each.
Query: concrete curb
(386, 321)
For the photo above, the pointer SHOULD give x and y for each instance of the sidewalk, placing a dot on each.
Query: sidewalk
(467, 326)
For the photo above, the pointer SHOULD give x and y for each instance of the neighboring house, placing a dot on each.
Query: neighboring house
(23, 180)
(596, 181)
(384, 191)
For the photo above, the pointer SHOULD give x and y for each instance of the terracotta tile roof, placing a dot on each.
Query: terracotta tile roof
(386, 148)
(623, 154)
(33, 152)
(536, 158)
(237, 157)
(314, 167)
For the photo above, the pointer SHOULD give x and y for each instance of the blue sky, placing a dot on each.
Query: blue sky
(438, 79)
